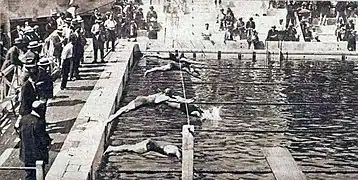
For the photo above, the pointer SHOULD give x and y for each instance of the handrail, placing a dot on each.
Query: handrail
(38, 168)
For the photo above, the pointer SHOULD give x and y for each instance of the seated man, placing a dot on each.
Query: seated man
(272, 34)
(149, 100)
(148, 145)
(176, 67)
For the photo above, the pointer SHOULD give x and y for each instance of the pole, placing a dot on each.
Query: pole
(39, 170)
(188, 152)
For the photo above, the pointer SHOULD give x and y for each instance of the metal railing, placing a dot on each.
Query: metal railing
(38, 168)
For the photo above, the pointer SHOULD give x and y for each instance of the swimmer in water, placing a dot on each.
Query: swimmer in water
(176, 67)
(164, 148)
(176, 58)
(195, 110)
(153, 99)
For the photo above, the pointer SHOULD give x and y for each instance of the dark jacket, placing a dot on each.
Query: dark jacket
(28, 96)
(272, 35)
(13, 56)
(34, 139)
(250, 24)
(44, 84)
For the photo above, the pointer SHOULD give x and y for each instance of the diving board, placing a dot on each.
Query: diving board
(282, 164)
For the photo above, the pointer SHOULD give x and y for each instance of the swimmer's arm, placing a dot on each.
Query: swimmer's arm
(183, 100)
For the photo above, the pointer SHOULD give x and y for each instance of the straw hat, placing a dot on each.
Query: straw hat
(44, 61)
(33, 44)
(29, 62)
(37, 104)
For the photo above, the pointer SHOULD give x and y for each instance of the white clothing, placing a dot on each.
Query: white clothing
(110, 24)
(67, 51)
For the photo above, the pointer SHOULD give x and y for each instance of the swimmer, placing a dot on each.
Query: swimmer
(164, 148)
(176, 67)
(176, 58)
(153, 99)
(196, 111)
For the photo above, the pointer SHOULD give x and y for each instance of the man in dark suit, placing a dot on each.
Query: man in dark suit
(272, 34)
(34, 138)
(28, 92)
(44, 84)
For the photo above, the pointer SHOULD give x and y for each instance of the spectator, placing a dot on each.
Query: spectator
(32, 52)
(250, 26)
(151, 14)
(60, 21)
(221, 19)
(28, 92)
(272, 34)
(281, 30)
(34, 139)
(315, 35)
(57, 39)
(291, 34)
(139, 18)
(44, 84)
(304, 14)
(98, 40)
(324, 9)
(206, 33)
(352, 40)
(240, 28)
(78, 53)
(67, 57)
(341, 11)
(19, 33)
(12, 56)
(350, 26)
(110, 26)
(290, 17)
(50, 26)
(133, 30)
(229, 34)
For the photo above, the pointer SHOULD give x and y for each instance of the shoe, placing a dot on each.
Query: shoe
(113, 50)
(78, 78)
(103, 61)
(63, 88)
(72, 79)
(93, 62)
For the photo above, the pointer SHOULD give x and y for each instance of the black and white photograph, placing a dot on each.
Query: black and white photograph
(178, 89)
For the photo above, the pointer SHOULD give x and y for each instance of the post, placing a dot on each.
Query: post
(343, 57)
(254, 57)
(188, 152)
(39, 170)
(219, 55)
(269, 58)
(194, 56)
(239, 56)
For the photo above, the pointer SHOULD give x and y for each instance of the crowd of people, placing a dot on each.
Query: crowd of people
(33, 53)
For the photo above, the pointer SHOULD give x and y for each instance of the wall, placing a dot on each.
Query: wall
(307, 46)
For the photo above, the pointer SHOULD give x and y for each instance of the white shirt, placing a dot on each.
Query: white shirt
(67, 31)
(206, 34)
(67, 51)
(60, 23)
(110, 24)
(95, 29)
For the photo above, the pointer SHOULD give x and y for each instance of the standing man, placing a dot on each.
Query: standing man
(35, 141)
(44, 84)
(28, 91)
(67, 56)
(79, 49)
(110, 26)
(290, 17)
(98, 40)
(151, 14)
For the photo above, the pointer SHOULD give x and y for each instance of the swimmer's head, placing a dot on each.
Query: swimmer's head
(171, 55)
(150, 145)
(168, 92)
(172, 150)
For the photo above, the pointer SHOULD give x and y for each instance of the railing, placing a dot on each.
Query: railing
(38, 168)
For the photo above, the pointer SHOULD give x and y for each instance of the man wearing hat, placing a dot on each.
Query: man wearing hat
(57, 39)
(60, 21)
(139, 18)
(67, 30)
(272, 34)
(78, 52)
(32, 52)
(99, 38)
(34, 140)
(28, 93)
(151, 13)
(44, 84)
(12, 56)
